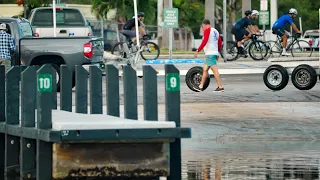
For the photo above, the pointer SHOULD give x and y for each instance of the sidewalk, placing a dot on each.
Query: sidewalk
(235, 67)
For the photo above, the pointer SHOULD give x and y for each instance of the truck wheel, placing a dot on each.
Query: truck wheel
(304, 77)
(193, 78)
(57, 68)
(276, 77)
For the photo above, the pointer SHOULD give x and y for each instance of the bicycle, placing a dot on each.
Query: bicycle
(130, 52)
(301, 46)
(253, 46)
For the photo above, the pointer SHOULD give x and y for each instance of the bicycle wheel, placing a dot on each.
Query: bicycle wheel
(118, 50)
(301, 48)
(274, 49)
(232, 51)
(152, 48)
(258, 50)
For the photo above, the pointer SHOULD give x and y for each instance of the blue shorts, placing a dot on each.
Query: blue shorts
(211, 60)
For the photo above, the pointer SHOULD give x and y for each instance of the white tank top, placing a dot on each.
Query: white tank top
(211, 48)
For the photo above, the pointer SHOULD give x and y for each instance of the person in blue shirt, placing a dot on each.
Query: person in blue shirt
(240, 32)
(278, 28)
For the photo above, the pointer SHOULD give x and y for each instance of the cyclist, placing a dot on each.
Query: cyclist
(278, 26)
(240, 32)
(254, 16)
(127, 28)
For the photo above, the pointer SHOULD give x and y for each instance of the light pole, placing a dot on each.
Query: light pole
(54, 18)
(136, 22)
(225, 30)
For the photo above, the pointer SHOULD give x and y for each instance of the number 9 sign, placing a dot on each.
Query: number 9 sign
(173, 82)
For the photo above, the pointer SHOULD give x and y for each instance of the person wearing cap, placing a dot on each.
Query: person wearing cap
(254, 16)
(127, 27)
(240, 32)
(278, 28)
(6, 47)
(211, 44)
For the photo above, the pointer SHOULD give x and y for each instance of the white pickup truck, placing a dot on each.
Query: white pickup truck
(312, 37)
(70, 22)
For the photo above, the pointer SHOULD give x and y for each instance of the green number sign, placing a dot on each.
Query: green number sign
(173, 82)
(44, 83)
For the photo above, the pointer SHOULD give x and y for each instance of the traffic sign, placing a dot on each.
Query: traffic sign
(44, 83)
(171, 16)
(263, 5)
(264, 18)
(173, 82)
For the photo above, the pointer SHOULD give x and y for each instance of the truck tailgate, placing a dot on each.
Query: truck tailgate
(98, 49)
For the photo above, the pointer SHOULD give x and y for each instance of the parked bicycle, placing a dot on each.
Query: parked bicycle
(296, 46)
(258, 50)
(131, 52)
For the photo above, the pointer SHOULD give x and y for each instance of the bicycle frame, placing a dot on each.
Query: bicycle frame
(279, 43)
(128, 51)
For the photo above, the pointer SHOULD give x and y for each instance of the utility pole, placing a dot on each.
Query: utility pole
(165, 31)
(159, 18)
(209, 11)
(273, 12)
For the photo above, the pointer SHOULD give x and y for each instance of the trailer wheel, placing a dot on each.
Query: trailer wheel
(304, 77)
(276, 77)
(193, 78)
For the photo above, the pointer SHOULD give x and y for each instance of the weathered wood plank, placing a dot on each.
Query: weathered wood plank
(112, 160)
(130, 94)
(44, 121)
(12, 117)
(150, 93)
(28, 105)
(66, 88)
(2, 93)
(81, 90)
(95, 79)
(173, 113)
(112, 86)
(2, 118)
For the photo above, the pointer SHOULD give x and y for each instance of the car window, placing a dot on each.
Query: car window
(64, 17)
(26, 30)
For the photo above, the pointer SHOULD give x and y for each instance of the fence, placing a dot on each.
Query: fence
(46, 143)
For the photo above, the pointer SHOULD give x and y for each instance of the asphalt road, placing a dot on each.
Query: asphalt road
(238, 88)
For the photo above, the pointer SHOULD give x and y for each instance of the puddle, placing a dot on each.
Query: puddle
(207, 157)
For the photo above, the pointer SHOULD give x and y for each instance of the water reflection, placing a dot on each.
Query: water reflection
(206, 158)
(259, 166)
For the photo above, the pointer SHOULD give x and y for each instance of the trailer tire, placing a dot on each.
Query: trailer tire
(276, 77)
(304, 77)
(193, 78)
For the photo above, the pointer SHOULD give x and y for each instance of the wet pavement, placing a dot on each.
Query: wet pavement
(248, 131)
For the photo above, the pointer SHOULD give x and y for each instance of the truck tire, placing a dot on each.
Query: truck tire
(58, 74)
(304, 77)
(276, 77)
(193, 78)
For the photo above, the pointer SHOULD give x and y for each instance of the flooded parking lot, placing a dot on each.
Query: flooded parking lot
(299, 162)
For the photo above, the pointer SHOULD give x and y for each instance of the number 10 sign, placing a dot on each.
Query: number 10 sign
(45, 83)
(173, 82)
